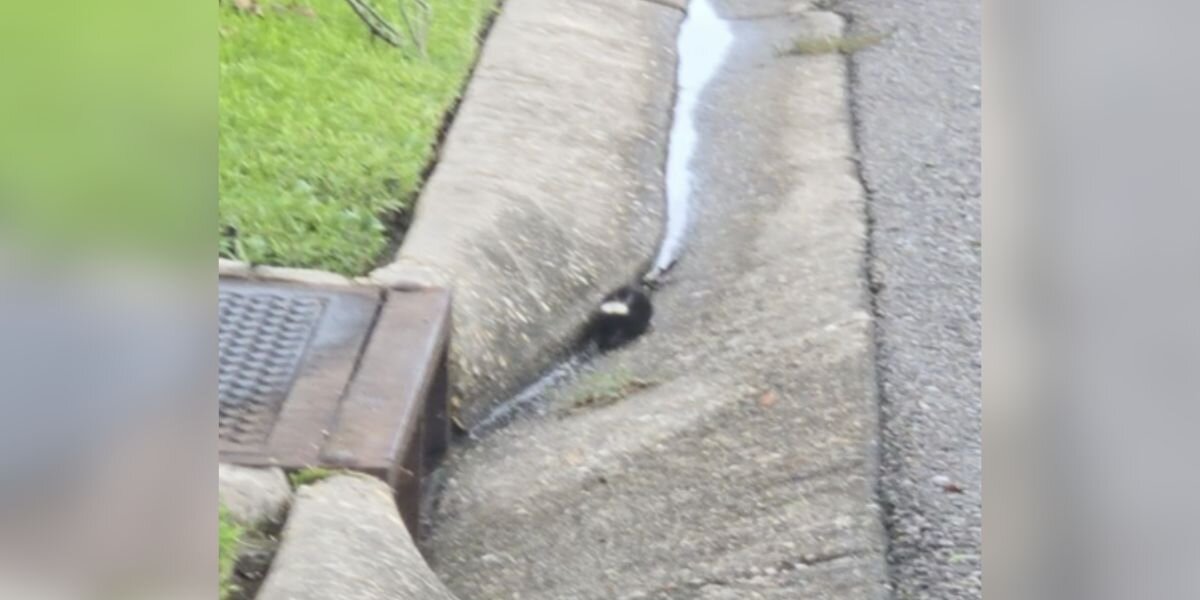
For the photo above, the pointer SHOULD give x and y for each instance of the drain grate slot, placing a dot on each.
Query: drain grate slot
(261, 339)
(285, 355)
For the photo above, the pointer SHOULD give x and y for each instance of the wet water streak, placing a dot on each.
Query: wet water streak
(704, 39)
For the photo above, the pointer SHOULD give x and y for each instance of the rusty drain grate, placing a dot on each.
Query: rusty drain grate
(261, 338)
(349, 377)
(285, 355)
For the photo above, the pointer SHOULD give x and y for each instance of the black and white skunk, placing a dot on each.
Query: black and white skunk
(622, 316)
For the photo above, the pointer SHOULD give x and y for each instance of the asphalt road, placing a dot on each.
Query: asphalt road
(916, 99)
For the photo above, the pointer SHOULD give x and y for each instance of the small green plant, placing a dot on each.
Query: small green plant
(228, 541)
(309, 476)
(603, 388)
(847, 44)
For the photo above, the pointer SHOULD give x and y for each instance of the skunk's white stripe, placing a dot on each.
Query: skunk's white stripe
(615, 307)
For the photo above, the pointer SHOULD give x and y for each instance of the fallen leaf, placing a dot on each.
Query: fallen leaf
(952, 488)
(297, 9)
(768, 399)
(250, 6)
(573, 457)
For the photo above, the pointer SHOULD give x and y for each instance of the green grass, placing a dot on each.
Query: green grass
(229, 537)
(602, 388)
(309, 475)
(836, 45)
(325, 131)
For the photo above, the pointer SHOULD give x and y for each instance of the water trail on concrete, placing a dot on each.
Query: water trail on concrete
(527, 400)
(704, 40)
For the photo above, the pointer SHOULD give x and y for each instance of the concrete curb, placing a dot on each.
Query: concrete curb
(401, 276)
(257, 498)
(344, 540)
(236, 269)
(548, 192)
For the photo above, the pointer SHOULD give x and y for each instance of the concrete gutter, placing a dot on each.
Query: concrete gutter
(748, 468)
(548, 192)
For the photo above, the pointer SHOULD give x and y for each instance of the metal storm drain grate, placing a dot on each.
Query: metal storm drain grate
(262, 336)
(285, 354)
(341, 376)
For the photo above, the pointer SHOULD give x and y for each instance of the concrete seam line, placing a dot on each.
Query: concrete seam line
(874, 382)
(234, 269)
(886, 509)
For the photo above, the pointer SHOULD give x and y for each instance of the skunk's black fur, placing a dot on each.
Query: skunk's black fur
(622, 316)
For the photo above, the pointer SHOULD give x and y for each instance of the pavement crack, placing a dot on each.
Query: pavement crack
(812, 560)
(875, 286)
(785, 566)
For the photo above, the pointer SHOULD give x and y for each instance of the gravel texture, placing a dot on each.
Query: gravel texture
(916, 99)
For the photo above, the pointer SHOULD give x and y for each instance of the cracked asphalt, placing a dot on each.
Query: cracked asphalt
(916, 102)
